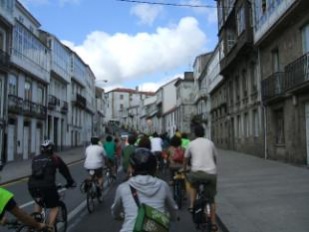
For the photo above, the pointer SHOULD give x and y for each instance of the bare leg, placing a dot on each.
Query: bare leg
(52, 216)
(213, 213)
(192, 193)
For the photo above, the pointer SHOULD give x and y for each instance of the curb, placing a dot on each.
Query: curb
(222, 226)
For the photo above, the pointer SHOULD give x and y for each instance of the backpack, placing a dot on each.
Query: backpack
(178, 155)
(148, 218)
(39, 165)
(198, 213)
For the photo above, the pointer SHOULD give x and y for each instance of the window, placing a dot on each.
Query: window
(121, 107)
(13, 85)
(2, 40)
(28, 92)
(264, 5)
(279, 124)
(246, 125)
(241, 23)
(231, 39)
(40, 95)
(239, 126)
(1, 98)
(237, 88)
(244, 83)
(255, 121)
(275, 60)
(121, 97)
(305, 38)
(253, 78)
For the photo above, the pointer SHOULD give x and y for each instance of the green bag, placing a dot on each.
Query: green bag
(148, 218)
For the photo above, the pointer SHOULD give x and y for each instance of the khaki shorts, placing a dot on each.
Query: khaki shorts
(210, 180)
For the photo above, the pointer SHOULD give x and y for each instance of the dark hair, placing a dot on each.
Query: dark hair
(116, 140)
(109, 138)
(132, 139)
(144, 142)
(184, 135)
(143, 162)
(94, 140)
(155, 135)
(175, 141)
(199, 131)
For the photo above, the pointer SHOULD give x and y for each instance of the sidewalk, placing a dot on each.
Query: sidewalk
(20, 169)
(261, 195)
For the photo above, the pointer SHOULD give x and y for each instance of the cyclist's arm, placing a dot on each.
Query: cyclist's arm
(64, 170)
(117, 207)
(171, 206)
(187, 158)
(215, 154)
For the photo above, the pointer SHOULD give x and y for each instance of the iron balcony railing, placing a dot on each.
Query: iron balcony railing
(64, 108)
(80, 101)
(52, 101)
(273, 86)
(34, 109)
(297, 72)
(15, 104)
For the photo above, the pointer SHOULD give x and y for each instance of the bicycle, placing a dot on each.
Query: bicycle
(92, 189)
(179, 188)
(201, 210)
(61, 223)
(109, 176)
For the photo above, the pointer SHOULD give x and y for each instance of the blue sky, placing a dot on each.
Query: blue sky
(131, 44)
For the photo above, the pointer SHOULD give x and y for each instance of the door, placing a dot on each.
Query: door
(10, 142)
(307, 130)
(26, 143)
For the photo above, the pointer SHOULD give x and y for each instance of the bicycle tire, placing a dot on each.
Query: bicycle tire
(90, 202)
(61, 224)
(178, 193)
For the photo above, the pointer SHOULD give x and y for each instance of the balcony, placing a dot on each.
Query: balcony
(33, 109)
(64, 107)
(15, 104)
(273, 86)
(297, 73)
(4, 60)
(80, 101)
(52, 102)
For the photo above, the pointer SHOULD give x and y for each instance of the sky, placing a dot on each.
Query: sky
(131, 44)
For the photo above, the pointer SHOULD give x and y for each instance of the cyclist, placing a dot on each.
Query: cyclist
(41, 183)
(203, 155)
(95, 159)
(110, 149)
(8, 203)
(151, 190)
(184, 140)
(126, 154)
(156, 148)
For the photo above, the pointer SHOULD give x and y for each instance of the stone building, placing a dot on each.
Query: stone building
(281, 34)
(236, 106)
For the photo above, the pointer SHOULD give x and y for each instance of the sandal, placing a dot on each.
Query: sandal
(214, 228)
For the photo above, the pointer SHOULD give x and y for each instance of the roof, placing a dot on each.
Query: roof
(161, 87)
(170, 111)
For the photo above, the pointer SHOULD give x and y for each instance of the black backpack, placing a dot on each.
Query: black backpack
(39, 165)
(198, 213)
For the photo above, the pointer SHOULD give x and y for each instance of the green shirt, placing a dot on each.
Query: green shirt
(185, 143)
(126, 154)
(5, 196)
(110, 149)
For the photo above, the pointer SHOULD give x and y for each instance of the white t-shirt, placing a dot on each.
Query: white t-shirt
(202, 152)
(94, 157)
(156, 144)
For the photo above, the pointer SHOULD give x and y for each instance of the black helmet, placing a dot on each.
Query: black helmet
(47, 147)
(143, 162)
(94, 140)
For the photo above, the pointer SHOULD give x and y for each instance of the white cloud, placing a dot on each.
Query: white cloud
(122, 57)
(154, 86)
(147, 14)
(209, 12)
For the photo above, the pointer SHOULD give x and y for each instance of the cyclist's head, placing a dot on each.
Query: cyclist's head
(184, 135)
(145, 142)
(175, 141)
(132, 139)
(199, 131)
(143, 162)
(109, 138)
(47, 147)
(94, 140)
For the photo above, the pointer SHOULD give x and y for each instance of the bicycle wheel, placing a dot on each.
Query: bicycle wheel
(178, 193)
(62, 218)
(90, 202)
